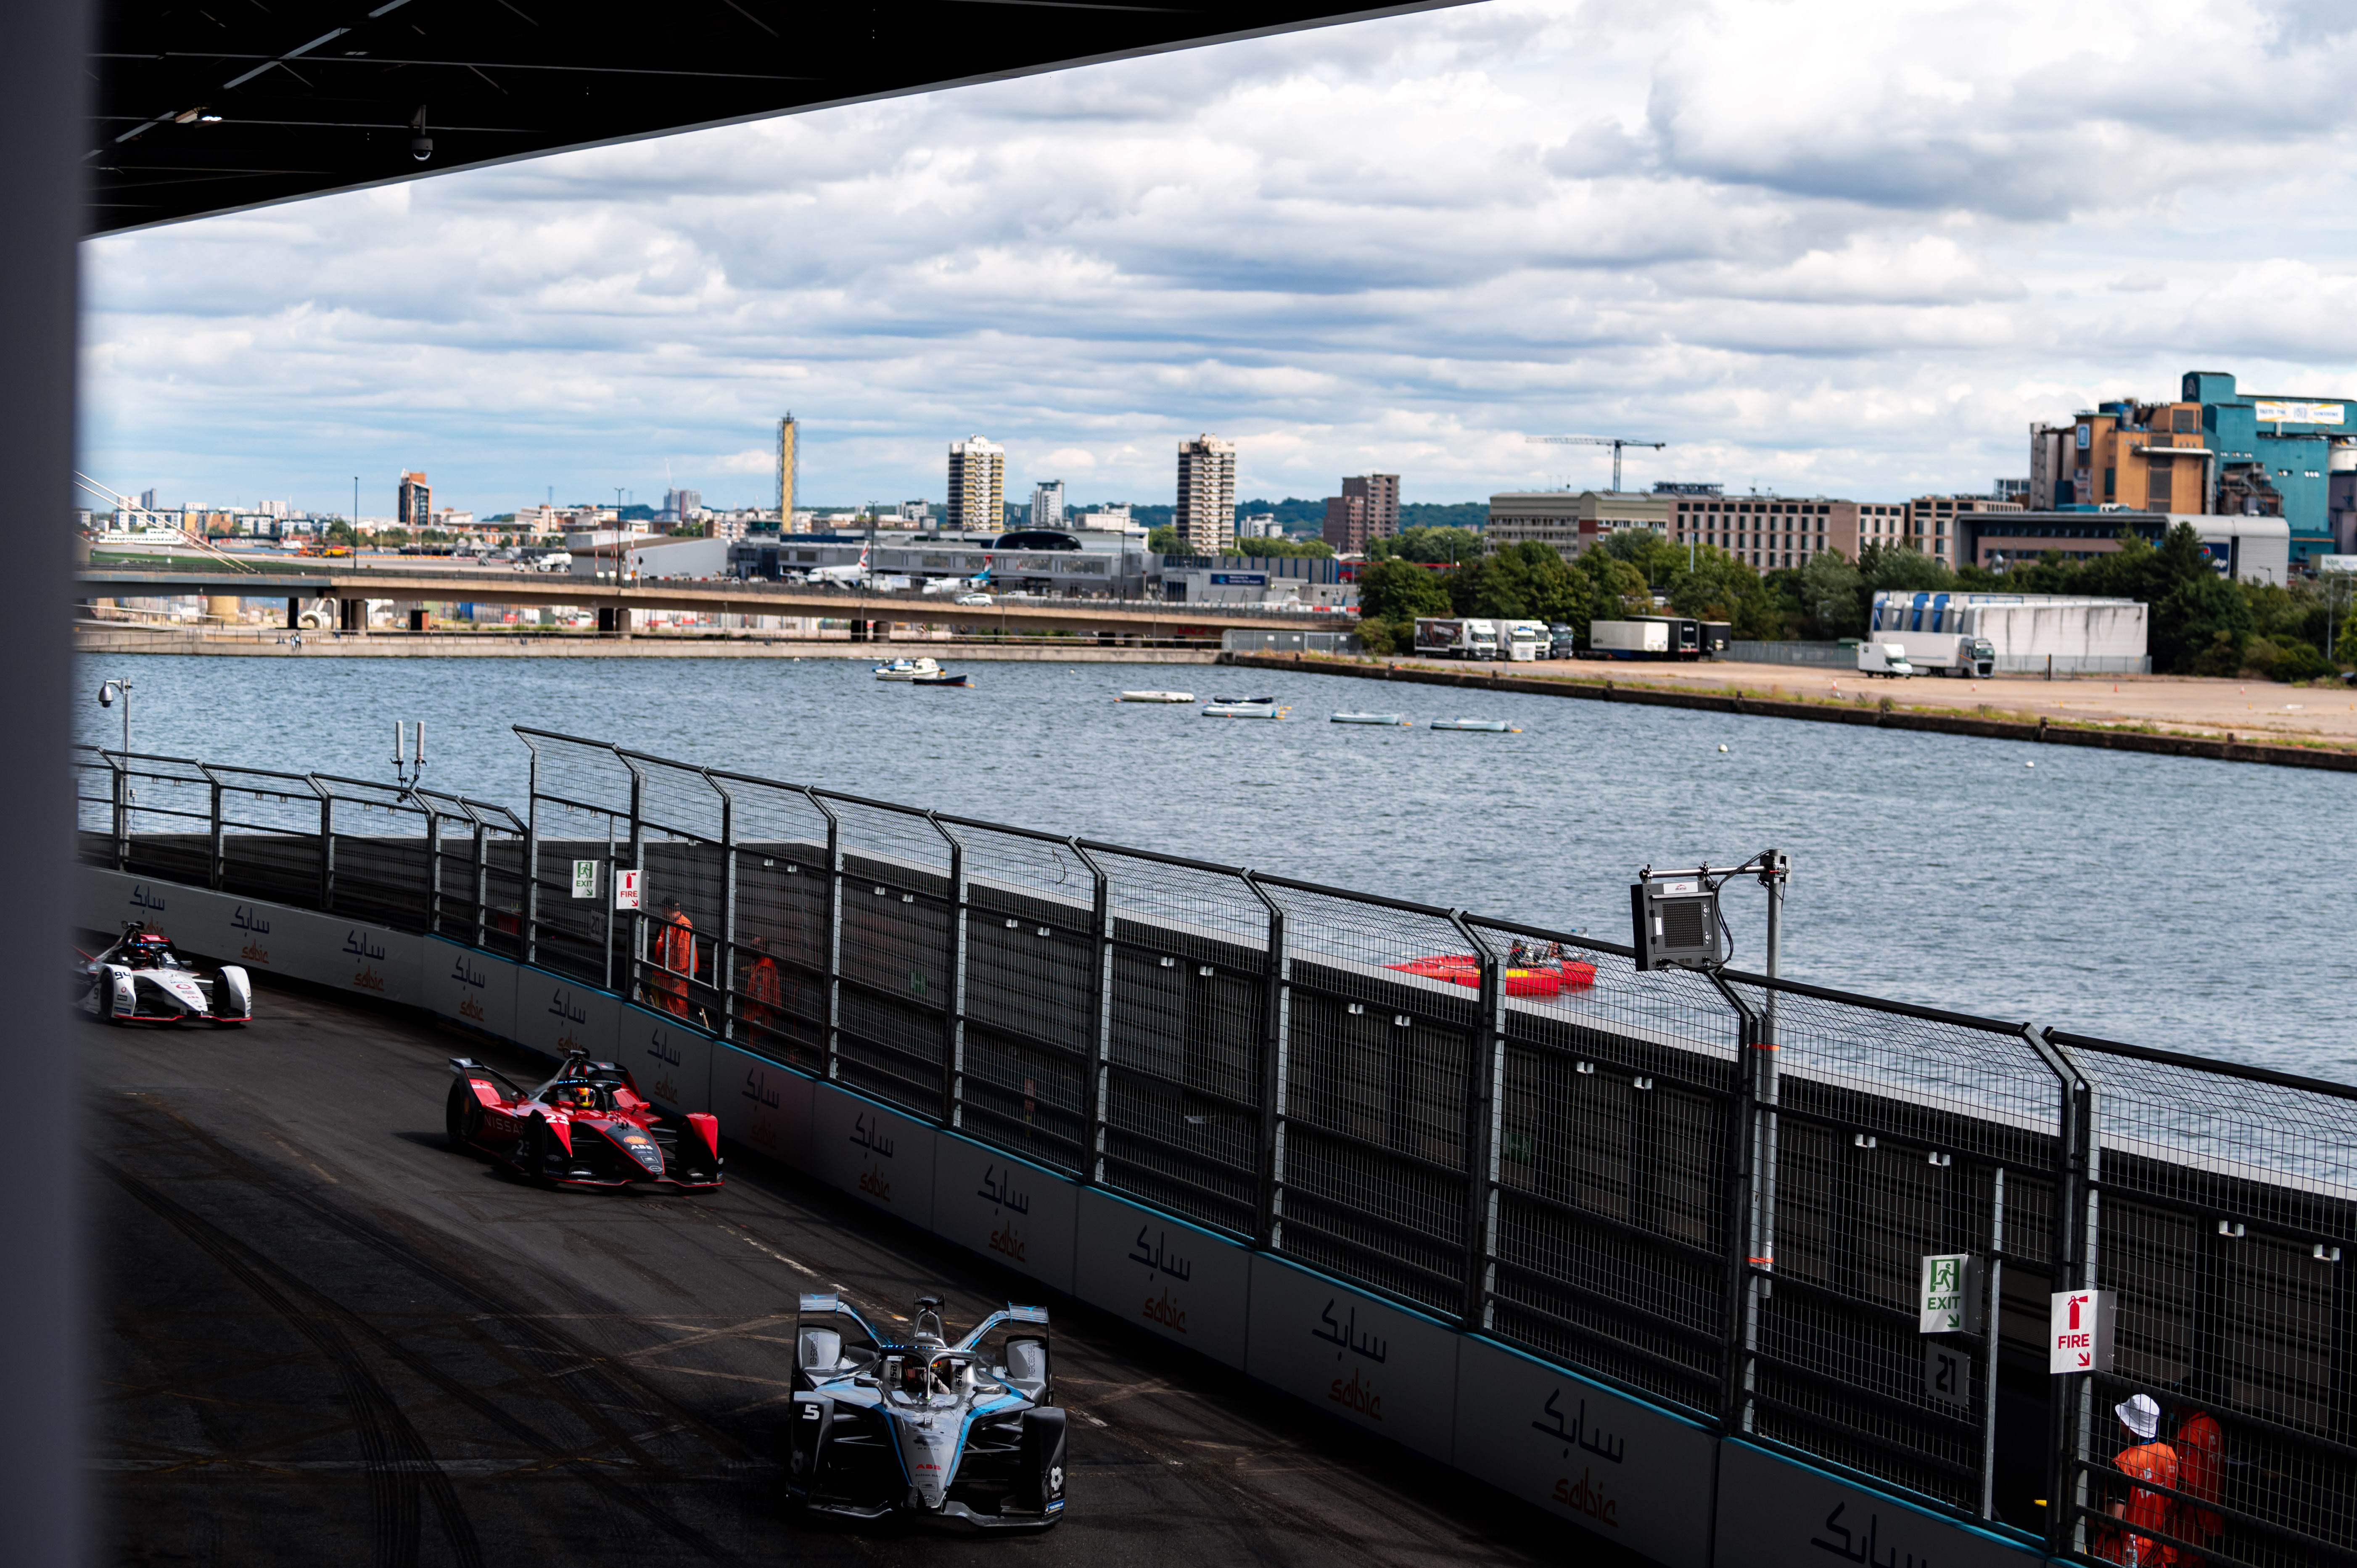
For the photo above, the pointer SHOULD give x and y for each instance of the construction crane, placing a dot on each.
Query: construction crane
(1615, 442)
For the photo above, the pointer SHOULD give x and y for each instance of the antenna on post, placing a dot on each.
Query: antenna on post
(408, 761)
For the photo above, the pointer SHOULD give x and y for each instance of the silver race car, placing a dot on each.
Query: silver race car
(141, 978)
(965, 1435)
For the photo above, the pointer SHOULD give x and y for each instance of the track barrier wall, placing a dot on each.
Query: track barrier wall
(1641, 1253)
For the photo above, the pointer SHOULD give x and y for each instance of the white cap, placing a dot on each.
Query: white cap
(2139, 1414)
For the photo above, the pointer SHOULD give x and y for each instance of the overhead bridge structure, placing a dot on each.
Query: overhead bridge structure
(1085, 616)
(201, 110)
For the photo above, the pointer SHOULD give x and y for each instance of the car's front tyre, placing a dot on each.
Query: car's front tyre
(462, 1115)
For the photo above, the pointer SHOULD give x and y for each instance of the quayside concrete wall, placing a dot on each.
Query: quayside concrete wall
(1590, 1456)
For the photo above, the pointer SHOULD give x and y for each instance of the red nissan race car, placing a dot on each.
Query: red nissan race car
(588, 1126)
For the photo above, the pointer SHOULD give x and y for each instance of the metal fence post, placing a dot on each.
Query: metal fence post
(1484, 1103)
(2070, 1426)
(530, 934)
(637, 922)
(953, 1006)
(1269, 1220)
(482, 875)
(326, 844)
(433, 865)
(724, 955)
(834, 933)
(120, 766)
(1743, 1295)
(1101, 1012)
(214, 856)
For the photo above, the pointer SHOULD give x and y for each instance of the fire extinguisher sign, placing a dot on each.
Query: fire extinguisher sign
(625, 888)
(2079, 1332)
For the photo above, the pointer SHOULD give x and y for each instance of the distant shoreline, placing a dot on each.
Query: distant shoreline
(1617, 689)
(198, 642)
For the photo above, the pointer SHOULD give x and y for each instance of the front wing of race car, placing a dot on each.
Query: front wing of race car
(128, 995)
(849, 1459)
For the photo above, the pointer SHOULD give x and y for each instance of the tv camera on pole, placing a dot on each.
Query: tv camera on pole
(1615, 442)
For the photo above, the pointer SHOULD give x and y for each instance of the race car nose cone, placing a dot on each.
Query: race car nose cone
(639, 1147)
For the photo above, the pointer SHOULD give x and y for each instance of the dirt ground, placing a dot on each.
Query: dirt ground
(2191, 703)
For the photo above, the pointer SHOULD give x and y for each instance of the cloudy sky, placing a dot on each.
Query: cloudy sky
(1849, 247)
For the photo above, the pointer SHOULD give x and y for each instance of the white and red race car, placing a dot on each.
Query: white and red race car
(141, 978)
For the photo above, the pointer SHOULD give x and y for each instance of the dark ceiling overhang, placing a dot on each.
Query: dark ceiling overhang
(207, 106)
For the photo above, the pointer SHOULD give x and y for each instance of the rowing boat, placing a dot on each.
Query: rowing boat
(1156, 697)
(1369, 719)
(1498, 726)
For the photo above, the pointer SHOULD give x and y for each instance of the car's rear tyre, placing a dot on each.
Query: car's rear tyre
(462, 1115)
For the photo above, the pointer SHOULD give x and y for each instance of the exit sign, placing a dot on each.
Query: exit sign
(2079, 1332)
(1948, 1294)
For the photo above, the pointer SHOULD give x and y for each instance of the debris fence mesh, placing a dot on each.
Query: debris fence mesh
(1717, 1193)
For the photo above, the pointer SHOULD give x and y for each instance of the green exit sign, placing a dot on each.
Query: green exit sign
(1948, 1300)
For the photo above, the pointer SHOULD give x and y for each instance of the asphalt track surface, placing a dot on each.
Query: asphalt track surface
(322, 1336)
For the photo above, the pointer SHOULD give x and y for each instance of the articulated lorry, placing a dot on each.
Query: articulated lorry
(1645, 637)
(1457, 638)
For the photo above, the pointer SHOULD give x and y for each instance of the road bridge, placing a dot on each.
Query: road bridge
(727, 596)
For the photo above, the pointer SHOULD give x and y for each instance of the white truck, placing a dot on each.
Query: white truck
(1452, 637)
(1883, 658)
(1943, 653)
(1629, 638)
(1525, 640)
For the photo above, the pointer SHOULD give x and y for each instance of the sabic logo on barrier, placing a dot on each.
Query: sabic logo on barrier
(1585, 1496)
(147, 902)
(665, 1089)
(875, 1186)
(1358, 1394)
(1861, 1546)
(254, 952)
(368, 979)
(1008, 1242)
(1163, 1310)
(470, 1010)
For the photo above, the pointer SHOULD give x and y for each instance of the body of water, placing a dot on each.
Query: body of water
(2195, 906)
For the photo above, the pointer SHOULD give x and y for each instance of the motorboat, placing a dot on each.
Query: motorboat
(1393, 719)
(906, 669)
(1157, 697)
(1496, 727)
(1246, 702)
(942, 679)
(1244, 710)
(1528, 971)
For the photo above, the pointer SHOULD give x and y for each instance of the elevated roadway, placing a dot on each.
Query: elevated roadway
(720, 595)
(324, 1336)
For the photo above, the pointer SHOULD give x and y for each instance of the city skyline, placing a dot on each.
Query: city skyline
(1430, 237)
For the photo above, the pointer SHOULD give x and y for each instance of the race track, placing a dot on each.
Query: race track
(322, 1336)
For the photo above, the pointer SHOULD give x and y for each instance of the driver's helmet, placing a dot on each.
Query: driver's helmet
(577, 1096)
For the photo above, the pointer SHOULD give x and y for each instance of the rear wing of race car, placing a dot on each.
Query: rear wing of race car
(467, 1066)
(831, 1304)
(1029, 1314)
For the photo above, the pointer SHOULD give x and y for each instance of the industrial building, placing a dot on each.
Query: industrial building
(2246, 548)
(2215, 451)
(2030, 632)
(1572, 520)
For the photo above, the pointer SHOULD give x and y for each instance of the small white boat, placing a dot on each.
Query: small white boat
(906, 669)
(1244, 711)
(1496, 727)
(1393, 719)
(1157, 697)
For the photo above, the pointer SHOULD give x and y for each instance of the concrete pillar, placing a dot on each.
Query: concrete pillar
(221, 608)
(294, 615)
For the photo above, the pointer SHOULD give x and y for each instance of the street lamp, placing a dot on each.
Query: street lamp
(107, 694)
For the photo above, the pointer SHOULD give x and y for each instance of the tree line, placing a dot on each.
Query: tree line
(2202, 623)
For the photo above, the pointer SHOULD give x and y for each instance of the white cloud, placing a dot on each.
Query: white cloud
(1849, 246)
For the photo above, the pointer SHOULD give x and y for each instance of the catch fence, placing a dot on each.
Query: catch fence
(1713, 1192)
